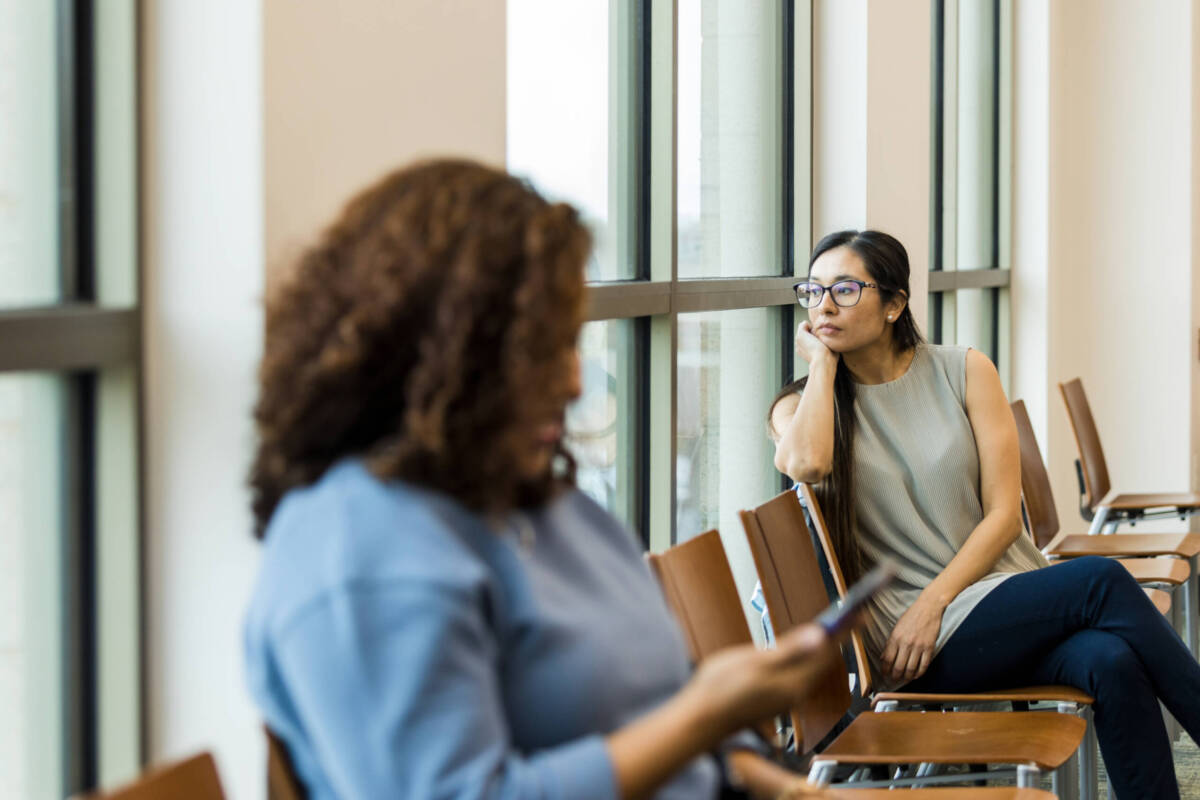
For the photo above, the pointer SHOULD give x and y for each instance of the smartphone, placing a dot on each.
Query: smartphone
(839, 615)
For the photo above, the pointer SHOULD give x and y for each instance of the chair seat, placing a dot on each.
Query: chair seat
(1073, 545)
(972, 737)
(1157, 570)
(944, 793)
(1161, 600)
(1029, 694)
(1135, 502)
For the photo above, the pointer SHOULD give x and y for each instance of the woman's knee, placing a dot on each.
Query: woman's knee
(1106, 572)
(1114, 664)
(1100, 566)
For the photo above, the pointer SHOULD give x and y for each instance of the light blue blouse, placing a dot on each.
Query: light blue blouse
(403, 648)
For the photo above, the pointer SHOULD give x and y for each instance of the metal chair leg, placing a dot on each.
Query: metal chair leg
(1089, 783)
(821, 772)
(1098, 521)
(1190, 610)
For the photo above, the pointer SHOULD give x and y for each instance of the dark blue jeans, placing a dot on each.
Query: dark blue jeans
(1084, 623)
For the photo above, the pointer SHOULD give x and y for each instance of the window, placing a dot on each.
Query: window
(969, 278)
(700, 205)
(69, 539)
(602, 425)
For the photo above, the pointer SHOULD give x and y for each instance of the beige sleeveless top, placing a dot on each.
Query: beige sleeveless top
(917, 493)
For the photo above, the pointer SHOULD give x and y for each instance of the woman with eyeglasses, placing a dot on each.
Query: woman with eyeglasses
(913, 451)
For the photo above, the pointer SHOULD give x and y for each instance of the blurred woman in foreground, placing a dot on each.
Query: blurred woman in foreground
(439, 612)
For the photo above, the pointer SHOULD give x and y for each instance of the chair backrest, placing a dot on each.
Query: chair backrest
(282, 782)
(699, 588)
(1087, 440)
(866, 683)
(1035, 481)
(192, 779)
(795, 593)
(700, 591)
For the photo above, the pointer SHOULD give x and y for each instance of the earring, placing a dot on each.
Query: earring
(889, 317)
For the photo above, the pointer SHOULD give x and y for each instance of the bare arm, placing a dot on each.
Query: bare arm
(731, 689)
(765, 779)
(910, 647)
(804, 425)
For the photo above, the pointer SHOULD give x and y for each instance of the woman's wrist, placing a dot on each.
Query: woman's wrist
(824, 362)
(704, 714)
(936, 597)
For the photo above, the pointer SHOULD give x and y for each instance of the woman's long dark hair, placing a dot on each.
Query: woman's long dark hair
(887, 263)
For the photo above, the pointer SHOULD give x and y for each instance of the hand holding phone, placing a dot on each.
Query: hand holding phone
(839, 616)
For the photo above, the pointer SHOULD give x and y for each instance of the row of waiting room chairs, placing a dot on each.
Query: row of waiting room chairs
(699, 587)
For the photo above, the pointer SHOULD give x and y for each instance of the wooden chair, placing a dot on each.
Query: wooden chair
(764, 778)
(786, 561)
(1160, 560)
(1099, 505)
(992, 793)
(192, 779)
(282, 781)
(700, 590)
(699, 586)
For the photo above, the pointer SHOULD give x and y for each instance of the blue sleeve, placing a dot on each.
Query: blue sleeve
(397, 687)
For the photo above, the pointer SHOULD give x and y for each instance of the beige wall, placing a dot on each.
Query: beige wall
(239, 171)
(871, 111)
(347, 96)
(898, 130)
(1104, 145)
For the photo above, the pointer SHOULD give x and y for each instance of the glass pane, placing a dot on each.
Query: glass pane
(975, 320)
(601, 425)
(935, 324)
(572, 100)
(117, 566)
(116, 152)
(977, 136)
(730, 138)
(29, 271)
(31, 590)
(729, 369)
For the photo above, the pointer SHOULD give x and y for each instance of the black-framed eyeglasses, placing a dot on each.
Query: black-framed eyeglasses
(845, 293)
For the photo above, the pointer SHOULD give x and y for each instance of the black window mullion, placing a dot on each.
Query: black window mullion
(643, 139)
(788, 83)
(78, 626)
(641, 459)
(84, 145)
(938, 126)
(995, 254)
(787, 313)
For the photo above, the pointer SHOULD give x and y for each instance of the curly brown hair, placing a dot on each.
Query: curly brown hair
(426, 323)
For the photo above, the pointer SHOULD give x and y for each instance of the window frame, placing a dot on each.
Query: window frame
(79, 337)
(658, 296)
(946, 276)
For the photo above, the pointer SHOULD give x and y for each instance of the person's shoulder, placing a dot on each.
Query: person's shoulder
(946, 355)
(574, 508)
(352, 530)
(948, 362)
